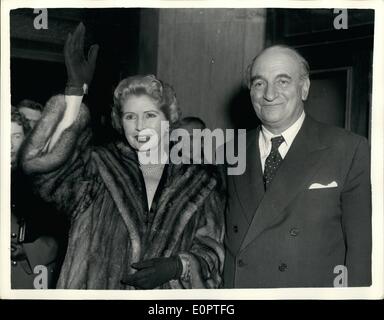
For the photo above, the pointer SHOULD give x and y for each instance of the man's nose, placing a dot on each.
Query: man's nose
(270, 93)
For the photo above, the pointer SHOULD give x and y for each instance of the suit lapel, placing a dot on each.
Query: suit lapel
(299, 165)
(250, 186)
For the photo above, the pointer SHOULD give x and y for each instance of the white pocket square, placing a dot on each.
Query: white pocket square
(332, 184)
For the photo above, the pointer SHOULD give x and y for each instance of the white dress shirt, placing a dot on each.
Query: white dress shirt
(289, 135)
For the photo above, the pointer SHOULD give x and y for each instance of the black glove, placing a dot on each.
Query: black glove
(154, 272)
(79, 70)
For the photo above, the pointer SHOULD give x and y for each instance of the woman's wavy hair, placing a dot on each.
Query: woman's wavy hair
(161, 93)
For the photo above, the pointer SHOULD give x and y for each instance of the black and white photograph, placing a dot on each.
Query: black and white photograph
(159, 149)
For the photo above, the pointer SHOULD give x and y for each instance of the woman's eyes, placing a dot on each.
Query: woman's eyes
(147, 115)
(150, 115)
(129, 117)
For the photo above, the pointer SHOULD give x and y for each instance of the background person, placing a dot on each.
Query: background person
(32, 243)
(196, 155)
(31, 110)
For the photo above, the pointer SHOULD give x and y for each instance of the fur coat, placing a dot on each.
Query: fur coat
(102, 191)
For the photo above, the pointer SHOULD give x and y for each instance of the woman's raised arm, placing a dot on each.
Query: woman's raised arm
(80, 73)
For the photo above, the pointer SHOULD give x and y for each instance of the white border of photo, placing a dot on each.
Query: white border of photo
(376, 291)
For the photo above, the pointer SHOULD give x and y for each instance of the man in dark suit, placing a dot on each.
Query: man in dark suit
(300, 215)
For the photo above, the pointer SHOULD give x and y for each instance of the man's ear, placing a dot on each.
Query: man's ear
(305, 89)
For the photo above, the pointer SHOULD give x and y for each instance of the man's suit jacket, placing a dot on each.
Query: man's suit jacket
(295, 233)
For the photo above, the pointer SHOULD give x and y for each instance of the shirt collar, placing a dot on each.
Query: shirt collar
(288, 135)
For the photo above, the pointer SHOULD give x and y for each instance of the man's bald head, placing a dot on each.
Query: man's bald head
(301, 61)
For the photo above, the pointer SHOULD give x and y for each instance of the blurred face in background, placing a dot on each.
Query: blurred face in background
(195, 154)
(17, 138)
(31, 115)
(141, 121)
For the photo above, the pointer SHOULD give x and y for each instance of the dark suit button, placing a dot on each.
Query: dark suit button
(240, 263)
(13, 235)
(294, 232)
(235, 229)
(282, 267)
(14, 263)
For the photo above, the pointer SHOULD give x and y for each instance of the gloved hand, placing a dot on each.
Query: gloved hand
(154, 272)
(79, 70)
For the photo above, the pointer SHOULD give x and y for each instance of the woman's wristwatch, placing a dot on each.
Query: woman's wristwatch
(71, 90)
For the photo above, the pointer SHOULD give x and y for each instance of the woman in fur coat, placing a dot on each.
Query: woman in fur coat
(135, 224)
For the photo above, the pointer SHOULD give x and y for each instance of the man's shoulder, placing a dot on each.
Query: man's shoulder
(337, 136)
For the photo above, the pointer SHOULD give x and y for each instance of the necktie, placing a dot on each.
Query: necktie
(273, 161)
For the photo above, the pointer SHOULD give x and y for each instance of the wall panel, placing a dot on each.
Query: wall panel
(204, 53)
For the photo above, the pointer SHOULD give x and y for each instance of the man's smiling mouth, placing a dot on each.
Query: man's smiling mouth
(271, 105)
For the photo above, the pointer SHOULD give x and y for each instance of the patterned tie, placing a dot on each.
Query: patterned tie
(273, 161)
